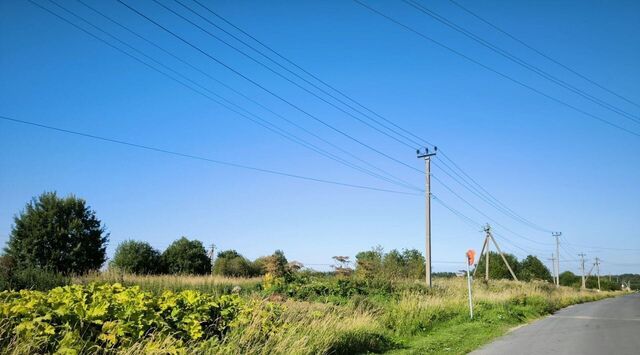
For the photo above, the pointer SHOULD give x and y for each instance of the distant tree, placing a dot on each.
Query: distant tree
(342, 268)
(369, 263)
(375, 263)
(276, 264)
(137, 258)
(57, 234)
(186, 256)
(295, 266)
(393, 264)
(568, 278)
(497, 268)
(445, 274)
(415, 264)
(531, 268)
(231, 263)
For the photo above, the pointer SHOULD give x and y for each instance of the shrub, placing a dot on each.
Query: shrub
(58, 234)
(531, 268)
(186, 256)
(137, 258)
(230, 263)
(31, 278)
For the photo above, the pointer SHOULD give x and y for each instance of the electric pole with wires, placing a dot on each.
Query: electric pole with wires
(557, 265)
(582, 266)
(427, 162)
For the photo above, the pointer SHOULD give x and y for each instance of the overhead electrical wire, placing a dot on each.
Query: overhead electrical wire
(495, 71)
(256, 119)
(475, 224)
(490, 199)
(461, 170)
(406, 134)
(506, 54)
(498, 222)
(267, 90)
(291, 122)
(539, 52)
(403, 142)
(201, 158)
(484, 214)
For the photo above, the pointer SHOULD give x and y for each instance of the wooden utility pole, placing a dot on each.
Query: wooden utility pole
(485, 247)
(427, 163)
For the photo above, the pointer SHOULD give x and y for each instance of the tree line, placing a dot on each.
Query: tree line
(55, 237)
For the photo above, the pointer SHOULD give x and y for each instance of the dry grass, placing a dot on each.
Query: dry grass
(157, 283)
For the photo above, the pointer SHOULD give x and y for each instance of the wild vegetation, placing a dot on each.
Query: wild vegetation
(179, 302)
(309, 314)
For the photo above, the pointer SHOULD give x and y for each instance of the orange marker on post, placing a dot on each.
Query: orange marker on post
(471, 254)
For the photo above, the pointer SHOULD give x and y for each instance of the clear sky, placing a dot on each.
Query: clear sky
(553, 165)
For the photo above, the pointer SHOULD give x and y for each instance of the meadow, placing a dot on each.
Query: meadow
(309, 313)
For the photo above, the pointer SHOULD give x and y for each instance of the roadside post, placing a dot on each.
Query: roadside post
(470, 258)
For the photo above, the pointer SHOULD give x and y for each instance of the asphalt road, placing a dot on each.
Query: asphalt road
(607, 327)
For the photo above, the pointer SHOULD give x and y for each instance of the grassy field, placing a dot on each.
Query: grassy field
(310, 314)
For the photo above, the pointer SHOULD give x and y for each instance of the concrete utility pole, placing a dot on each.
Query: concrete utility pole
(485, 248)
(212, 254)
(598, 271)
(553, 263)
(582, 263)
(427, 163)
(557, 266)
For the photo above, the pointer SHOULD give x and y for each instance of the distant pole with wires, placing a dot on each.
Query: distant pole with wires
(557, 265)
(598, 271)
(553, 263)
(582, 266)
(426, 155)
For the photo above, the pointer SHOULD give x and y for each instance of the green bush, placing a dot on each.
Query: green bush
(231, 263)
(137, 258)
(186, 256)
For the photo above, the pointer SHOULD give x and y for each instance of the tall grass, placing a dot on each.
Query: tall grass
(157, 283)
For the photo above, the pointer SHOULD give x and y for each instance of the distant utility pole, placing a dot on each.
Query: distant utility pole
(427, 162)
(485, 248)
(212, 254)
(582, 263)
(553, 263)
(598, 271)
(557, 266)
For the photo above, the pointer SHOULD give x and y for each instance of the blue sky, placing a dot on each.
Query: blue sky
(553, 165)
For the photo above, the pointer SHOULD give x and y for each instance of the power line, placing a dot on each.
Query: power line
(442, 45)
(293, 123)
(423, 9)
(196, 157)
(406, 133)
(493, 198)
(403, 142)
(505, 228)
(541, 53)
(270, 92)
(475, 224)
(254, 118)
(507, 211)
(485, 196)
(484, 214)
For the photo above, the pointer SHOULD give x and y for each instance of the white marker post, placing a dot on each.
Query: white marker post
(470, 257)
